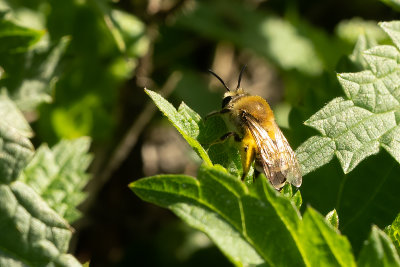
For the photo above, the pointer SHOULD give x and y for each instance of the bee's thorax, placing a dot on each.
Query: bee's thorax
(256, 106)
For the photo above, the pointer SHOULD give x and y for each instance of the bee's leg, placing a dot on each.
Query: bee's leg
(247, 153)
(256, 174)
(224, 137)
(216, 113)
(227, 135)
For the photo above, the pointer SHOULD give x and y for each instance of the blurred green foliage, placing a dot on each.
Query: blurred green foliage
(34, 225)
(102, 53)
(75, 68)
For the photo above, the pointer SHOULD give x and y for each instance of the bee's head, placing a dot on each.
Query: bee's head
(230, 95)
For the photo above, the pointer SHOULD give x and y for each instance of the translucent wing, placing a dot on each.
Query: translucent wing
(276, 157)
(288, 158)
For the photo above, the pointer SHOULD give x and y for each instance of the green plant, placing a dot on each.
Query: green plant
(39, 190)
(255, 225)
(67, 69)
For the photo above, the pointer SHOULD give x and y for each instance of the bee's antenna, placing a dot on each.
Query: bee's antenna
(220, 79)
(240, 76)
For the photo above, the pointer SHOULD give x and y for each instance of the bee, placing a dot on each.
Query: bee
(262, 142)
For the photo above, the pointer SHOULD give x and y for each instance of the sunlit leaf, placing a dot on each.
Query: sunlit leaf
(14, 38)
(367, 119)
(132, 33)
(315, 152)
(11, 115)
(30, 77)
(234, 215)
(351, 29)
(32, 233)
(333, 218)
(393, 231)
(40, 78)
(273, 37)
(296, 198)
(235, 218)
(58, 175)
(363, 43)
(104, 50)
(378, 251)
(184, 121)
(16, 151)
(395, 4)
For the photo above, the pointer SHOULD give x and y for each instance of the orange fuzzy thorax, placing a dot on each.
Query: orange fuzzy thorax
(259, 109)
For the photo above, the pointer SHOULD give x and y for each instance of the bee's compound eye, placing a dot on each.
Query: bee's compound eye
(226, 101)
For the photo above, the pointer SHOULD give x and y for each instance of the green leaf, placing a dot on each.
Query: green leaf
(395, 4)
(131, 31)
(39, 77)
(393, 231)
(197, 132)
(355, 131)
(296, 198)
(32, 233)
(58, 175)
(227, 154)
(12, 116)
(333, 218)
(126, 29)
(393, 30)
(78, 119)
(235, 218)
(274, 38)
(325, 242)
(378, 250)
(30, 77)
(14, 38)
(105, 12)
(368, 118)
(283, 40)
(185, 121)
(15, 151)
(350, 30)
(208, 134)
(85, 97)
(363, 43)
(368, 195)
(315, 152)
(190, 120)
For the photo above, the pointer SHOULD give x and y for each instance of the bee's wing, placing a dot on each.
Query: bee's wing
(278, 159)
(288, 158)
